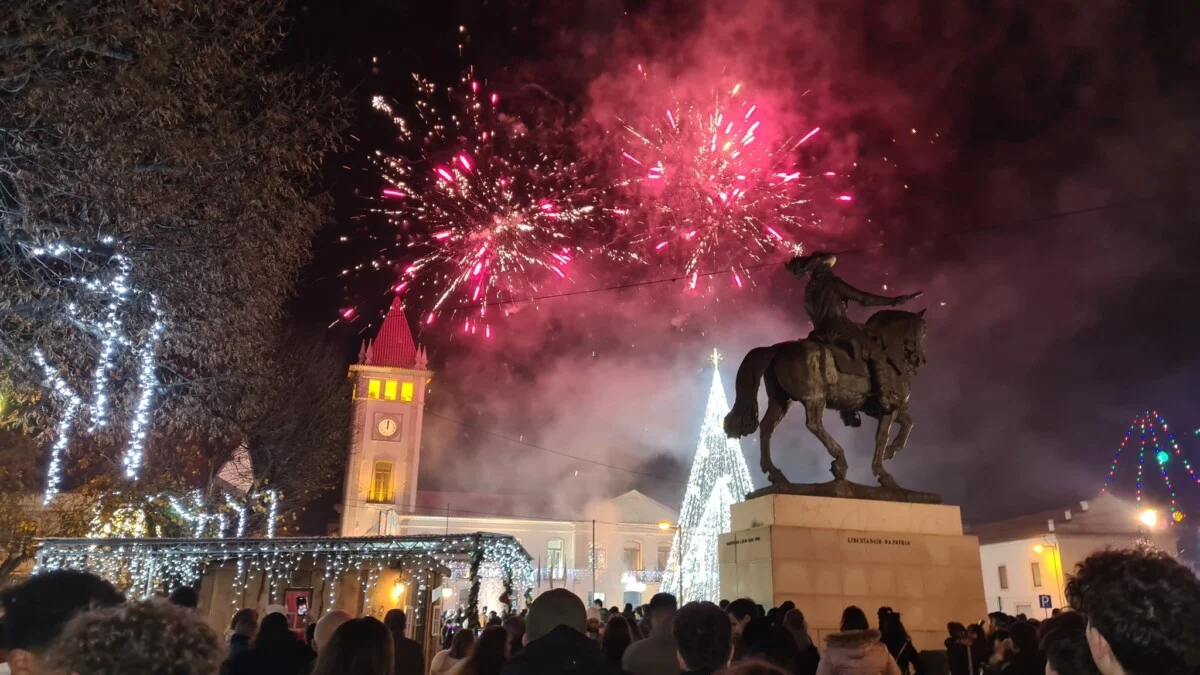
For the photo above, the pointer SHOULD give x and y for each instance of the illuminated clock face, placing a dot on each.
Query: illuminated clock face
(387, 427)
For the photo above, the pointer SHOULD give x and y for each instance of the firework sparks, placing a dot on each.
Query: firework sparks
(498, 212)
(714, 192)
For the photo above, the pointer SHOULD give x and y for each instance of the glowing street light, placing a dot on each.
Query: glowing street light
(1038, 548)
(1149, 517)
(665, 525)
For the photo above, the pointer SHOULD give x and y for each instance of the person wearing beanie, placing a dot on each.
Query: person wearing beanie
(555, 640)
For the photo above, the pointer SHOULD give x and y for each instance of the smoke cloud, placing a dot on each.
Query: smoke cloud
(1047, 335)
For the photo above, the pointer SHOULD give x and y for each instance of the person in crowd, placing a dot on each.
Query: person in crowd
(856, 649)
(555, 643)
(958, 650)
(1020, 655)
(741, 612)
(724, 605)
(1143, 610)
(617, 638)
(515, 625)
(808, 657)
(754, 667)
(37, 610)
(1066, 650)
(243, 625)
(408, 654)
(594, 609)
(358, 647)
(703, 638)
(275, 651)
(326, 625)
(444, 661)
(656, 655)
(881, 614)
(629, 614)
(900, 646)
(980, 646)
(771, 643)
(185, 596)
(149, 638)
(593, 629)
(488, 654)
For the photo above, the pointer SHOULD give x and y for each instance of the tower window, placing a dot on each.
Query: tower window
(389, 390)
(381, 483)
(406, 391)
(1003, 570)
(373, 387)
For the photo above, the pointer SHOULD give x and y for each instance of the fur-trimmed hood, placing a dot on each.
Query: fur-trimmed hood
(856, 652)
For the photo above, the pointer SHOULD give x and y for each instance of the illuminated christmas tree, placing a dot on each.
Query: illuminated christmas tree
(719, 478)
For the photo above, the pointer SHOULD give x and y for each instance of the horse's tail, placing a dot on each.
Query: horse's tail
(742, 420)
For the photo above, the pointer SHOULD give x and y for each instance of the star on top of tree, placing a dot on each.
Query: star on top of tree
(715, 357)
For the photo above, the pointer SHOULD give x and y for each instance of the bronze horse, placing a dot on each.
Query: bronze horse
(820, 376)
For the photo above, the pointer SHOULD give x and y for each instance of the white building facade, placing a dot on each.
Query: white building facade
(1027, 561)
(382, 498)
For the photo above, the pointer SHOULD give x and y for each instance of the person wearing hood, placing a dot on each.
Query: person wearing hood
(808, 657)
(555, 640)
(856, 649)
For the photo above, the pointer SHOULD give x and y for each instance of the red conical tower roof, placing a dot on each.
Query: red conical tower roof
(393, 346)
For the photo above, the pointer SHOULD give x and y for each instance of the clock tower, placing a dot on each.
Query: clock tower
(390, 380)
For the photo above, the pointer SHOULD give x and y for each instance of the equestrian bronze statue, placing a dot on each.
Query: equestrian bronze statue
(853, 369)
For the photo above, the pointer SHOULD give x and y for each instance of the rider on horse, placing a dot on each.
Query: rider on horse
(825, 300)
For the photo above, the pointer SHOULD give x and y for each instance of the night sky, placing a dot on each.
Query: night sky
(980, 136)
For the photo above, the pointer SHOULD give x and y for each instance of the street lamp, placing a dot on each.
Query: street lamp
(666, 526)
(1055, 567)
(1149, 518)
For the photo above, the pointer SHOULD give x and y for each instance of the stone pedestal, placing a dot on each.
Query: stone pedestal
(825, 553)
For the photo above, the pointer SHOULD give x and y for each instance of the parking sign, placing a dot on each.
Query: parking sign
(1044, 602)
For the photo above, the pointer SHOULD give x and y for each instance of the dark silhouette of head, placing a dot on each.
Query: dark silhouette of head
(854, 618)
(703, 636)
(185, 596)
(358, 647)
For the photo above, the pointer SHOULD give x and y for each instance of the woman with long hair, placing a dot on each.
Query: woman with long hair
(460, 647)
(488, 654)
(617, 638)
(358, 647)
(274, 651)
(900, 646)
(856, 649)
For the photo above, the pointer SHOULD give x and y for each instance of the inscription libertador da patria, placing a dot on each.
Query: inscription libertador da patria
(878, 540)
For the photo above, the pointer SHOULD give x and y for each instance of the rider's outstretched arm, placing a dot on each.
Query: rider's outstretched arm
(863, 298)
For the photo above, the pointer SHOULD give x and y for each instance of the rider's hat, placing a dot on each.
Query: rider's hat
(802, 264)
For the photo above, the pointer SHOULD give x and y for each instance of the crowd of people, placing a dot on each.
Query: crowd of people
(1134, 612)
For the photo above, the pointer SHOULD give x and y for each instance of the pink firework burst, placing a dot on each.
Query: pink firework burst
(497, 210)
(711, 188)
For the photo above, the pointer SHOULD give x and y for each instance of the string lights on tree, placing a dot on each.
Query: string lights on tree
(1155, 443)
(113, 309)
(718, 478)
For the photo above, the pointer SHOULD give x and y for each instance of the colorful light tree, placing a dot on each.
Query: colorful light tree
(1154, 441)
(718, 479)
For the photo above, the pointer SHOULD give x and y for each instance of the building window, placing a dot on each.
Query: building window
(631, 556)
(1003, 578)
(373, 387)
(1036, 568)
(554, 559)
(381, 483)
(406, 391)
(597, 557)
(389, 390)
(664, 554)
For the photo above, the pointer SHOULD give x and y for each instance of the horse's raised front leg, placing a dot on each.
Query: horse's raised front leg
(904, 422)
(813, 410)
(776, 409)
(881, 440)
